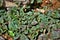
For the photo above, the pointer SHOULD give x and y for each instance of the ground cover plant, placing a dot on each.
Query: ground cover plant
(29, 20)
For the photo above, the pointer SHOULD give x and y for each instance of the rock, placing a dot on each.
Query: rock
(1, 38)
(34, 22)
(10, 4)
(56, 34)
(42, 37)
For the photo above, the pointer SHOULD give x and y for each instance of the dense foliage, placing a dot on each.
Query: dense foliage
(29, 25)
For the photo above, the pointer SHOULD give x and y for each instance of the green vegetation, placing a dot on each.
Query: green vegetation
(29, 25)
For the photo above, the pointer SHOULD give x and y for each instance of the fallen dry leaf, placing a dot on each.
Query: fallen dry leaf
(45, 3)
(55, 4)
(10, 38)
(6, 36)
(40, 10)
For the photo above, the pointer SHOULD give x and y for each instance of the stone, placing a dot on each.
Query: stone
(34, 22)
(1, 38)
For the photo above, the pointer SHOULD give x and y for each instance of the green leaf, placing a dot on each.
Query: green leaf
(32, 1)
(11, 33)
(23, 37)
(39, 1)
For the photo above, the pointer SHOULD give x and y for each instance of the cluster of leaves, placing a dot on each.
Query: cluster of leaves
(29, 25)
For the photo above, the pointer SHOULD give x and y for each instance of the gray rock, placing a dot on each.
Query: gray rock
(56, 34)
(42, 37)
(34, 22)
(1, 38)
